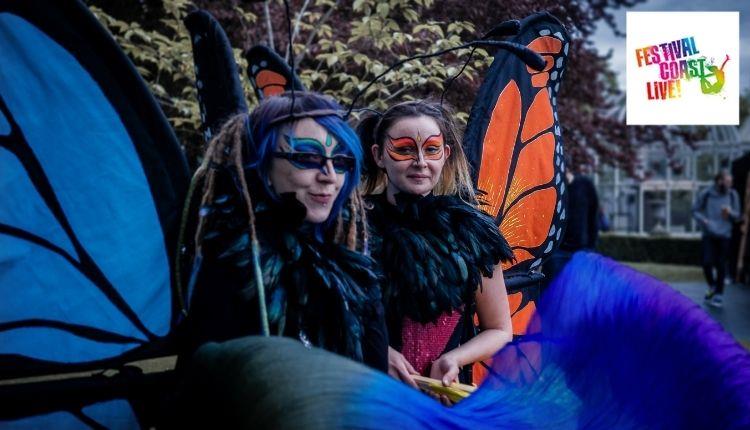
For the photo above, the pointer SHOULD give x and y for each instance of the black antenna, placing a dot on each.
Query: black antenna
(453, 78)
(506, 28)
(528, 56)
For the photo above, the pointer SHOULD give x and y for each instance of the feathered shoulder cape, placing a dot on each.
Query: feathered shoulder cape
(433, 252)
(316, 290)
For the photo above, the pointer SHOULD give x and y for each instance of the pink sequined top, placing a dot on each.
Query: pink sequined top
(424, 343)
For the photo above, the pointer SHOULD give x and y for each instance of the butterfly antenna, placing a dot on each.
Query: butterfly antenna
(528, 56)
(453, 78)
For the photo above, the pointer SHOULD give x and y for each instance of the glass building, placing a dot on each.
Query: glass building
(661, 204)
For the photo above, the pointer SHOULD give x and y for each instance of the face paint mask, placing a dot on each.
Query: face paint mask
(309, 153)
(406, 148)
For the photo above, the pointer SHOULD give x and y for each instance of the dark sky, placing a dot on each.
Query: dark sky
(605, 40)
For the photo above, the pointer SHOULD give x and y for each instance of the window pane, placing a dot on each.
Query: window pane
(625, 215)
(606, 174)
(680, 168)
(655, 211)
(704, 166)
(681, 204)
(656, 167)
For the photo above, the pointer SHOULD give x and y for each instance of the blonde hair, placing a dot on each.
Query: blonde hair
(454, 179)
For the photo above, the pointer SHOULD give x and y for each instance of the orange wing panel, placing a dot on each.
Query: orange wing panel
(539, 116)
(534, 167)
(273, 90)
(546, 45)
(539, 80)
(522, 318)
(497, 149)
(269, 77)
(270, 82)
(527, 222)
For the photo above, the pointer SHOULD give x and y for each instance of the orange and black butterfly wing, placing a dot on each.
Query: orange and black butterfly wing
(269, 74)
(513, 142)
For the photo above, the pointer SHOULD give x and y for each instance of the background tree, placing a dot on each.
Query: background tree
(339, 46)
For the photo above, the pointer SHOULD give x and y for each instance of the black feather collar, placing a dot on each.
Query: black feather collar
(316, 290)
(433, 252)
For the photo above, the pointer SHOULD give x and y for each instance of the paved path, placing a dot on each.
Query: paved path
(734, 316)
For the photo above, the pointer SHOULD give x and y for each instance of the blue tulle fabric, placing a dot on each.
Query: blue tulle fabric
(609, 348)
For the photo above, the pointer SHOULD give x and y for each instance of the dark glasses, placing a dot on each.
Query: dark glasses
(311, 160)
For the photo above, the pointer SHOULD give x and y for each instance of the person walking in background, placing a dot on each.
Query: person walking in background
(582, 229)
(715, 209)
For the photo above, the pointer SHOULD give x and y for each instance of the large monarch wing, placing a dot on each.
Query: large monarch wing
(269, 74)
(514, 144)
(92, 181)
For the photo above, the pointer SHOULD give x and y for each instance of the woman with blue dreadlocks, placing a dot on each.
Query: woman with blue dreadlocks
(278, 233)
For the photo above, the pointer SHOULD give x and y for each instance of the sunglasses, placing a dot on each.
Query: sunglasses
(311, 160)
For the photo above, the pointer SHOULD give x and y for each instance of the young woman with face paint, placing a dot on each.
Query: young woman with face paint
(439, 254)
(286, 178)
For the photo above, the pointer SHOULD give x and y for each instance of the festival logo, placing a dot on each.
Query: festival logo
(682, 68)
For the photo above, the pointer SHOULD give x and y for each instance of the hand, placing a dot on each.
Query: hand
(445, 369)
(400, 368)
(725, 212)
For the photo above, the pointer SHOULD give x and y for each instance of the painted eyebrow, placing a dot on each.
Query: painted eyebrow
(292, 139)
(429, 139)
(402, 139)
(295, 143)
(435, 138)
(338, 149)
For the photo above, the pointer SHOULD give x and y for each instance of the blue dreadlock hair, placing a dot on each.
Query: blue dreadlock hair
(273, 113)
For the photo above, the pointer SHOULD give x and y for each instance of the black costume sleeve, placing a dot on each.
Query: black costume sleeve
(375, 342)
(218, 308)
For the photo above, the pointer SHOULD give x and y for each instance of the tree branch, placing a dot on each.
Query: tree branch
(314, 33)
(295, 32)
(269, 26)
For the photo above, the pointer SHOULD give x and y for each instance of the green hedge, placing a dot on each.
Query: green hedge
(652, 249)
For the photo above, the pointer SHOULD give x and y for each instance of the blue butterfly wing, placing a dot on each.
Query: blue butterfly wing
(91, 181)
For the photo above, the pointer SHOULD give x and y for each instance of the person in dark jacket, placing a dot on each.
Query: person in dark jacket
(582, 228)
(716, 209)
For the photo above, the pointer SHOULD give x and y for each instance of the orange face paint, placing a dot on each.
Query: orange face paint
(406, 148)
